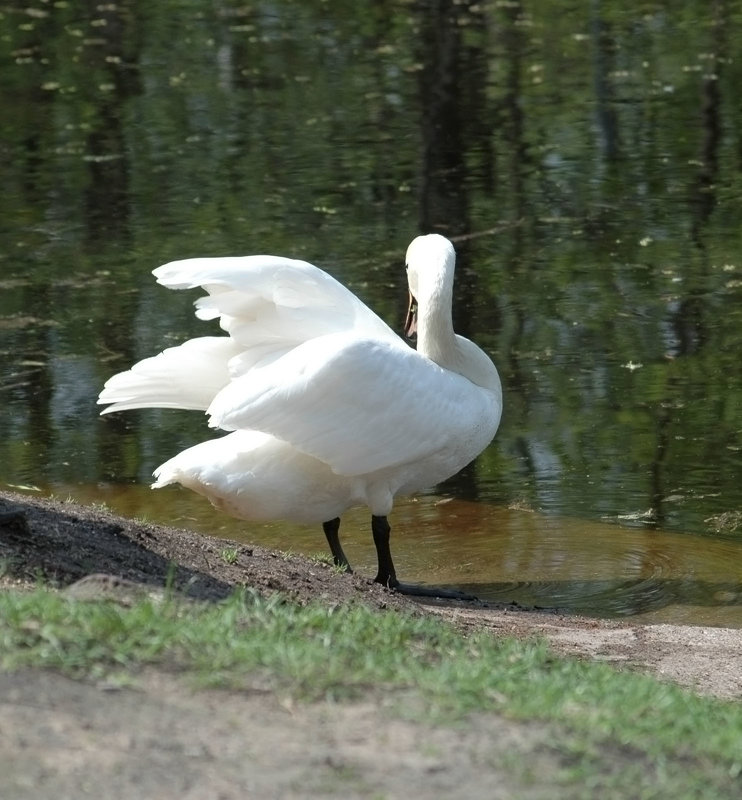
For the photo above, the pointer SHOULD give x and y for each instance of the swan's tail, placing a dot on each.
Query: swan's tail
(187, 376)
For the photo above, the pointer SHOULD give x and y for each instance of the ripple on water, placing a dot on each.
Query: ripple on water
(592, 568)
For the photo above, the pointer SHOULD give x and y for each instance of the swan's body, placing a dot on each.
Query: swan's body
(326, 406)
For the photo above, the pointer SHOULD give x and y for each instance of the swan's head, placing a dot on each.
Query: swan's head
(430, 263)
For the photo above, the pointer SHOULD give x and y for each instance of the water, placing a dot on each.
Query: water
(586, 162)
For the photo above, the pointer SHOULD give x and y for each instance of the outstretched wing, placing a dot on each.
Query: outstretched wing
(263, 299)
(268, 305)
(167, 380)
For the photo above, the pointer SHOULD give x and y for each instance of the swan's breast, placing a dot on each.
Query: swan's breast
(471, 427)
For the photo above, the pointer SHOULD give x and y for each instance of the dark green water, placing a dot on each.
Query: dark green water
(587, 162)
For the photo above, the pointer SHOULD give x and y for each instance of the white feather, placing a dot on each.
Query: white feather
(329, 408)
(187, 376)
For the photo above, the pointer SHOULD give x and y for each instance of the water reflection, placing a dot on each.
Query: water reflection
(574, 565)
(585, 158)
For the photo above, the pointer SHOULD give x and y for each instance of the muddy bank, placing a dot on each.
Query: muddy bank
(65, 544)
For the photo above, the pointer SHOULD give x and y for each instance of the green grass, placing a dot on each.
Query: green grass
(326, 558)
(230, 555)
(667, 740)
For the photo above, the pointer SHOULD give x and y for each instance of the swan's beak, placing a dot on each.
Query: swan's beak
(410, 324)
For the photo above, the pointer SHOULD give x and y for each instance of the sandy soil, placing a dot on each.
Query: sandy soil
(62, 738)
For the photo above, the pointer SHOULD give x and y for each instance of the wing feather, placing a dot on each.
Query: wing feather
(358, 406)
(270, 298)
(166, 380)
(268, 305)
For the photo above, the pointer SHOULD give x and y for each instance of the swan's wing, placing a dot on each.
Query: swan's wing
(268, 305)
(269, 299)
(358, 407)
(187, 376)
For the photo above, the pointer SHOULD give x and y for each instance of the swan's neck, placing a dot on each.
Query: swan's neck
(437, 341)
(435, 336)
(430, 263)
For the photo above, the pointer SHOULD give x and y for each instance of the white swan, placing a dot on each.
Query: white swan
(327, 407)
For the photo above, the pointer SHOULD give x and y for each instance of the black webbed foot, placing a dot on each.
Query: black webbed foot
(388, 577)
(417, 590)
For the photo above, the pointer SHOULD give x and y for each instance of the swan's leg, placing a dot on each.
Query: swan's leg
(332, 532)
(387, 575)
(381, 531)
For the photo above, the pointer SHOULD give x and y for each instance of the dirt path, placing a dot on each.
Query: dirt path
(708, 660)
(65, 739)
